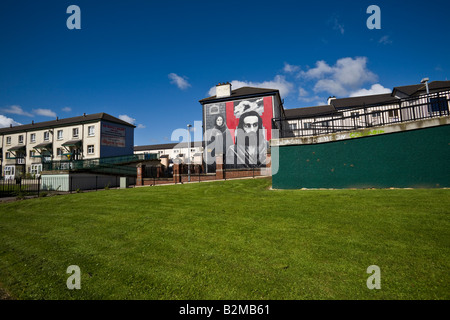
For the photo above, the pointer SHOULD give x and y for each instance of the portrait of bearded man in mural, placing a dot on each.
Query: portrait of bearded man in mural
(251, 146)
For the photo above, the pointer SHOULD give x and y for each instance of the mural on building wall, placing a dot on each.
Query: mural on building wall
(240, 130)
(113, 136)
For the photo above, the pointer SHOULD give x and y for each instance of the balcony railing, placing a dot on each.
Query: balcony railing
(366, 116)
(116, 164)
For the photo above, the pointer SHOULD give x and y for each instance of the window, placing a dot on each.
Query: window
(192, 150)
(36, 168)
(8, 140)
(293, 126)
(75, 132)
(59, 152)
(90, 149)
(32, 153)
(33, 137)
(8, 155)
(21, 139)
(355, 114)
(161, 151)
(393, 113)
(376, 114)
(46, 135)
(307, 125)
(91, 131)
(438, 104)
(59, 135)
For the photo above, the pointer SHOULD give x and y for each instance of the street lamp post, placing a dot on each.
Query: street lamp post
(425, 80)
(189, 152)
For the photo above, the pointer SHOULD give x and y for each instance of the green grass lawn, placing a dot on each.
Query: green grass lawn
(228, 240)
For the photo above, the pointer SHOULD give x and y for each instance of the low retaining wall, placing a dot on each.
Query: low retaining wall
(412, 155)
(82, 181)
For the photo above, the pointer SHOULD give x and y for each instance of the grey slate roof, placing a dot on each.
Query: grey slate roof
(65, 122)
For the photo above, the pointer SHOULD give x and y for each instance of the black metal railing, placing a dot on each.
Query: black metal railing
(19, 187)
(366, 116)
(112, 165)
(49, 184)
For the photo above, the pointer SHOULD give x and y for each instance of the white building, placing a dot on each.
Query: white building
(406, 103)
(175, 151)
(25, 148)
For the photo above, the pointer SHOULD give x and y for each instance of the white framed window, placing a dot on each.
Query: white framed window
(36, 168)
(59, 151)
(46, 135)
(75, 132)
(307, 125)
(90, 149)
(292, 126)
(8, 140)
(9, 170)
(32, 153)
(393, 113)
(33, 137)
(59, 135)
(91, 131)
(21, 139)
(8, 155)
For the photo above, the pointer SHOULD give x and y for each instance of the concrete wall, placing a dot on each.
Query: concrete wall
(82, 181)
(381, 158)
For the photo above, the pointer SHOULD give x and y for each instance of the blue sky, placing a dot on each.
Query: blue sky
(151, 61)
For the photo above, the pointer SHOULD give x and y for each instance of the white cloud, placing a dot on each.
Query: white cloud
(45, 112)
(334, 21)
(140, 126)
(66, 109)
(126, 118)
(180, 82)
(385, 40)
(345, 76)
(279, 82)
(321, 69)
(6, 122)
(302, 92)
(16, 110)
(289, 68)
(304, 96)
(374, 89)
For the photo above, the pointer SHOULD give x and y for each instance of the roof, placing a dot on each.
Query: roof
(309, 111)
(65, 122)
(241, 93)
(363, 100)
(72, 143)
(168, 146)
(420, 88)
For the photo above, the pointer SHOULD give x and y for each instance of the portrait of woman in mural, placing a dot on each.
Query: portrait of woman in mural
(219, 138)
(251, 146)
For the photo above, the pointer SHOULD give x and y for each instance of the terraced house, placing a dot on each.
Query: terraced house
(25, 148)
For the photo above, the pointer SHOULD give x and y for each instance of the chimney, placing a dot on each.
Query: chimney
(84, 114)
(330, 99)
(32, 122)
(57, 118)
(223, 90)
